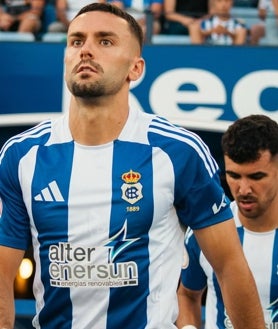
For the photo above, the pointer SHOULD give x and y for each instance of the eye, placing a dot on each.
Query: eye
(106, 42)
(77, 42)
(258, 176)
(232, 175)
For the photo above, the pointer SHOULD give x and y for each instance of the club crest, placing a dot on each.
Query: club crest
(132, 188)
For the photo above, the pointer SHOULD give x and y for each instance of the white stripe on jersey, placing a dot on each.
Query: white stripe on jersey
(258, 249)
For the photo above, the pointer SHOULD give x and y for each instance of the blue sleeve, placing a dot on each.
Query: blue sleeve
(201, 200)
(193, 276)
(14, 220)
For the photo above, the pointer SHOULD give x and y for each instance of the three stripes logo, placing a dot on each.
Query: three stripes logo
(50, 193)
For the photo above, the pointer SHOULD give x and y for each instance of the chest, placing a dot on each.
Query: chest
(96, 190)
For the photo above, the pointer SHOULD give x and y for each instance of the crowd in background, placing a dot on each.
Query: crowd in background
(221, 22)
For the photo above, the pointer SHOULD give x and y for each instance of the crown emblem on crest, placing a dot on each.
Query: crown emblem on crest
(131, 177)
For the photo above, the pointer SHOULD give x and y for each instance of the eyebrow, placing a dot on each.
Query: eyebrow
(98, 34)
(262, 173)
(76, 34)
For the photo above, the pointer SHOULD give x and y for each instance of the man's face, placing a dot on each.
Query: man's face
(222, 7)
(253, 185)
(101, 56)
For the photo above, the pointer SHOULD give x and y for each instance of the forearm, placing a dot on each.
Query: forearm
(189, 316)
(237, 284)
(190, 307)
(7, 310)
(10, 260)
(37, 7)
(237, 289)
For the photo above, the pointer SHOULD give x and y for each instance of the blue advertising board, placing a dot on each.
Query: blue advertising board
(199, 87)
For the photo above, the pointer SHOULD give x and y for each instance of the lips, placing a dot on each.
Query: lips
(247, 205)
(86, 69)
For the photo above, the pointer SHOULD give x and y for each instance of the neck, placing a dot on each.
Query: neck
(92, 124)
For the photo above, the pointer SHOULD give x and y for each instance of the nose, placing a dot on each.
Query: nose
(86, 51)
(244, 187)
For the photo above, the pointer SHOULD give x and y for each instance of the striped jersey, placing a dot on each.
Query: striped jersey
(106, 221)
(138, 8)
(232, 25)
(261, 252)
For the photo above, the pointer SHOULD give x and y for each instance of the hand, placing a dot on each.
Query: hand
(6, 22)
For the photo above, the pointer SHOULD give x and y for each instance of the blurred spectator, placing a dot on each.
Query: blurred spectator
(65, 12)
(49, 15)
(221, 28)
(268, 26)
(21, 15)
(183, 16)
(138, 9)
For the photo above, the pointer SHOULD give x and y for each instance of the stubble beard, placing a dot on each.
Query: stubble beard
(88, 90)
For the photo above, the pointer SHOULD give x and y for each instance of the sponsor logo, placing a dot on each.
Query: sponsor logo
(79, 266)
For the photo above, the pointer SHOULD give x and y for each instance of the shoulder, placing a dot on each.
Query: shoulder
(180, 144)
(20, 143)
(160, 129)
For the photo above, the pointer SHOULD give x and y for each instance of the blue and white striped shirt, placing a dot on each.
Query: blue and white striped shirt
(261, 251)
(105, 220)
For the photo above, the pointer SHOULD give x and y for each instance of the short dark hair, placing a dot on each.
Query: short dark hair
(135, 28)
(248, 136)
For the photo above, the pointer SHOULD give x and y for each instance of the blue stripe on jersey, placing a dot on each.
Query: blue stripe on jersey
(240, 231)
(138, 218)
(52, 224)
(274, 281)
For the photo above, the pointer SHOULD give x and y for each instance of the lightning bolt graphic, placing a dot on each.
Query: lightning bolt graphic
(274, 310)
(119, 242)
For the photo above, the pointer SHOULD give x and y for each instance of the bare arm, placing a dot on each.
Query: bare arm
(221, 246)
(37, 7)
(275, 6)
(190, 307)
(61, 11)
(172, 15)
(240, 36)
(9, 262)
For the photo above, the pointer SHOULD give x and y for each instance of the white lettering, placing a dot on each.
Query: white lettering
(196, 88)
(247, 92)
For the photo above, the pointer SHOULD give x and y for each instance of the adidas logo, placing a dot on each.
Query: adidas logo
(50, 193)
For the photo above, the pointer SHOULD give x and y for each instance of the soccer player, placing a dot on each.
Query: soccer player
(103, 195)
(250, 147)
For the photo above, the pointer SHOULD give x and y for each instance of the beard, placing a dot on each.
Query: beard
(87, 90)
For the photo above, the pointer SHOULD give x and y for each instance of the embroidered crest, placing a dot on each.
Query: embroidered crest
(132, 188)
